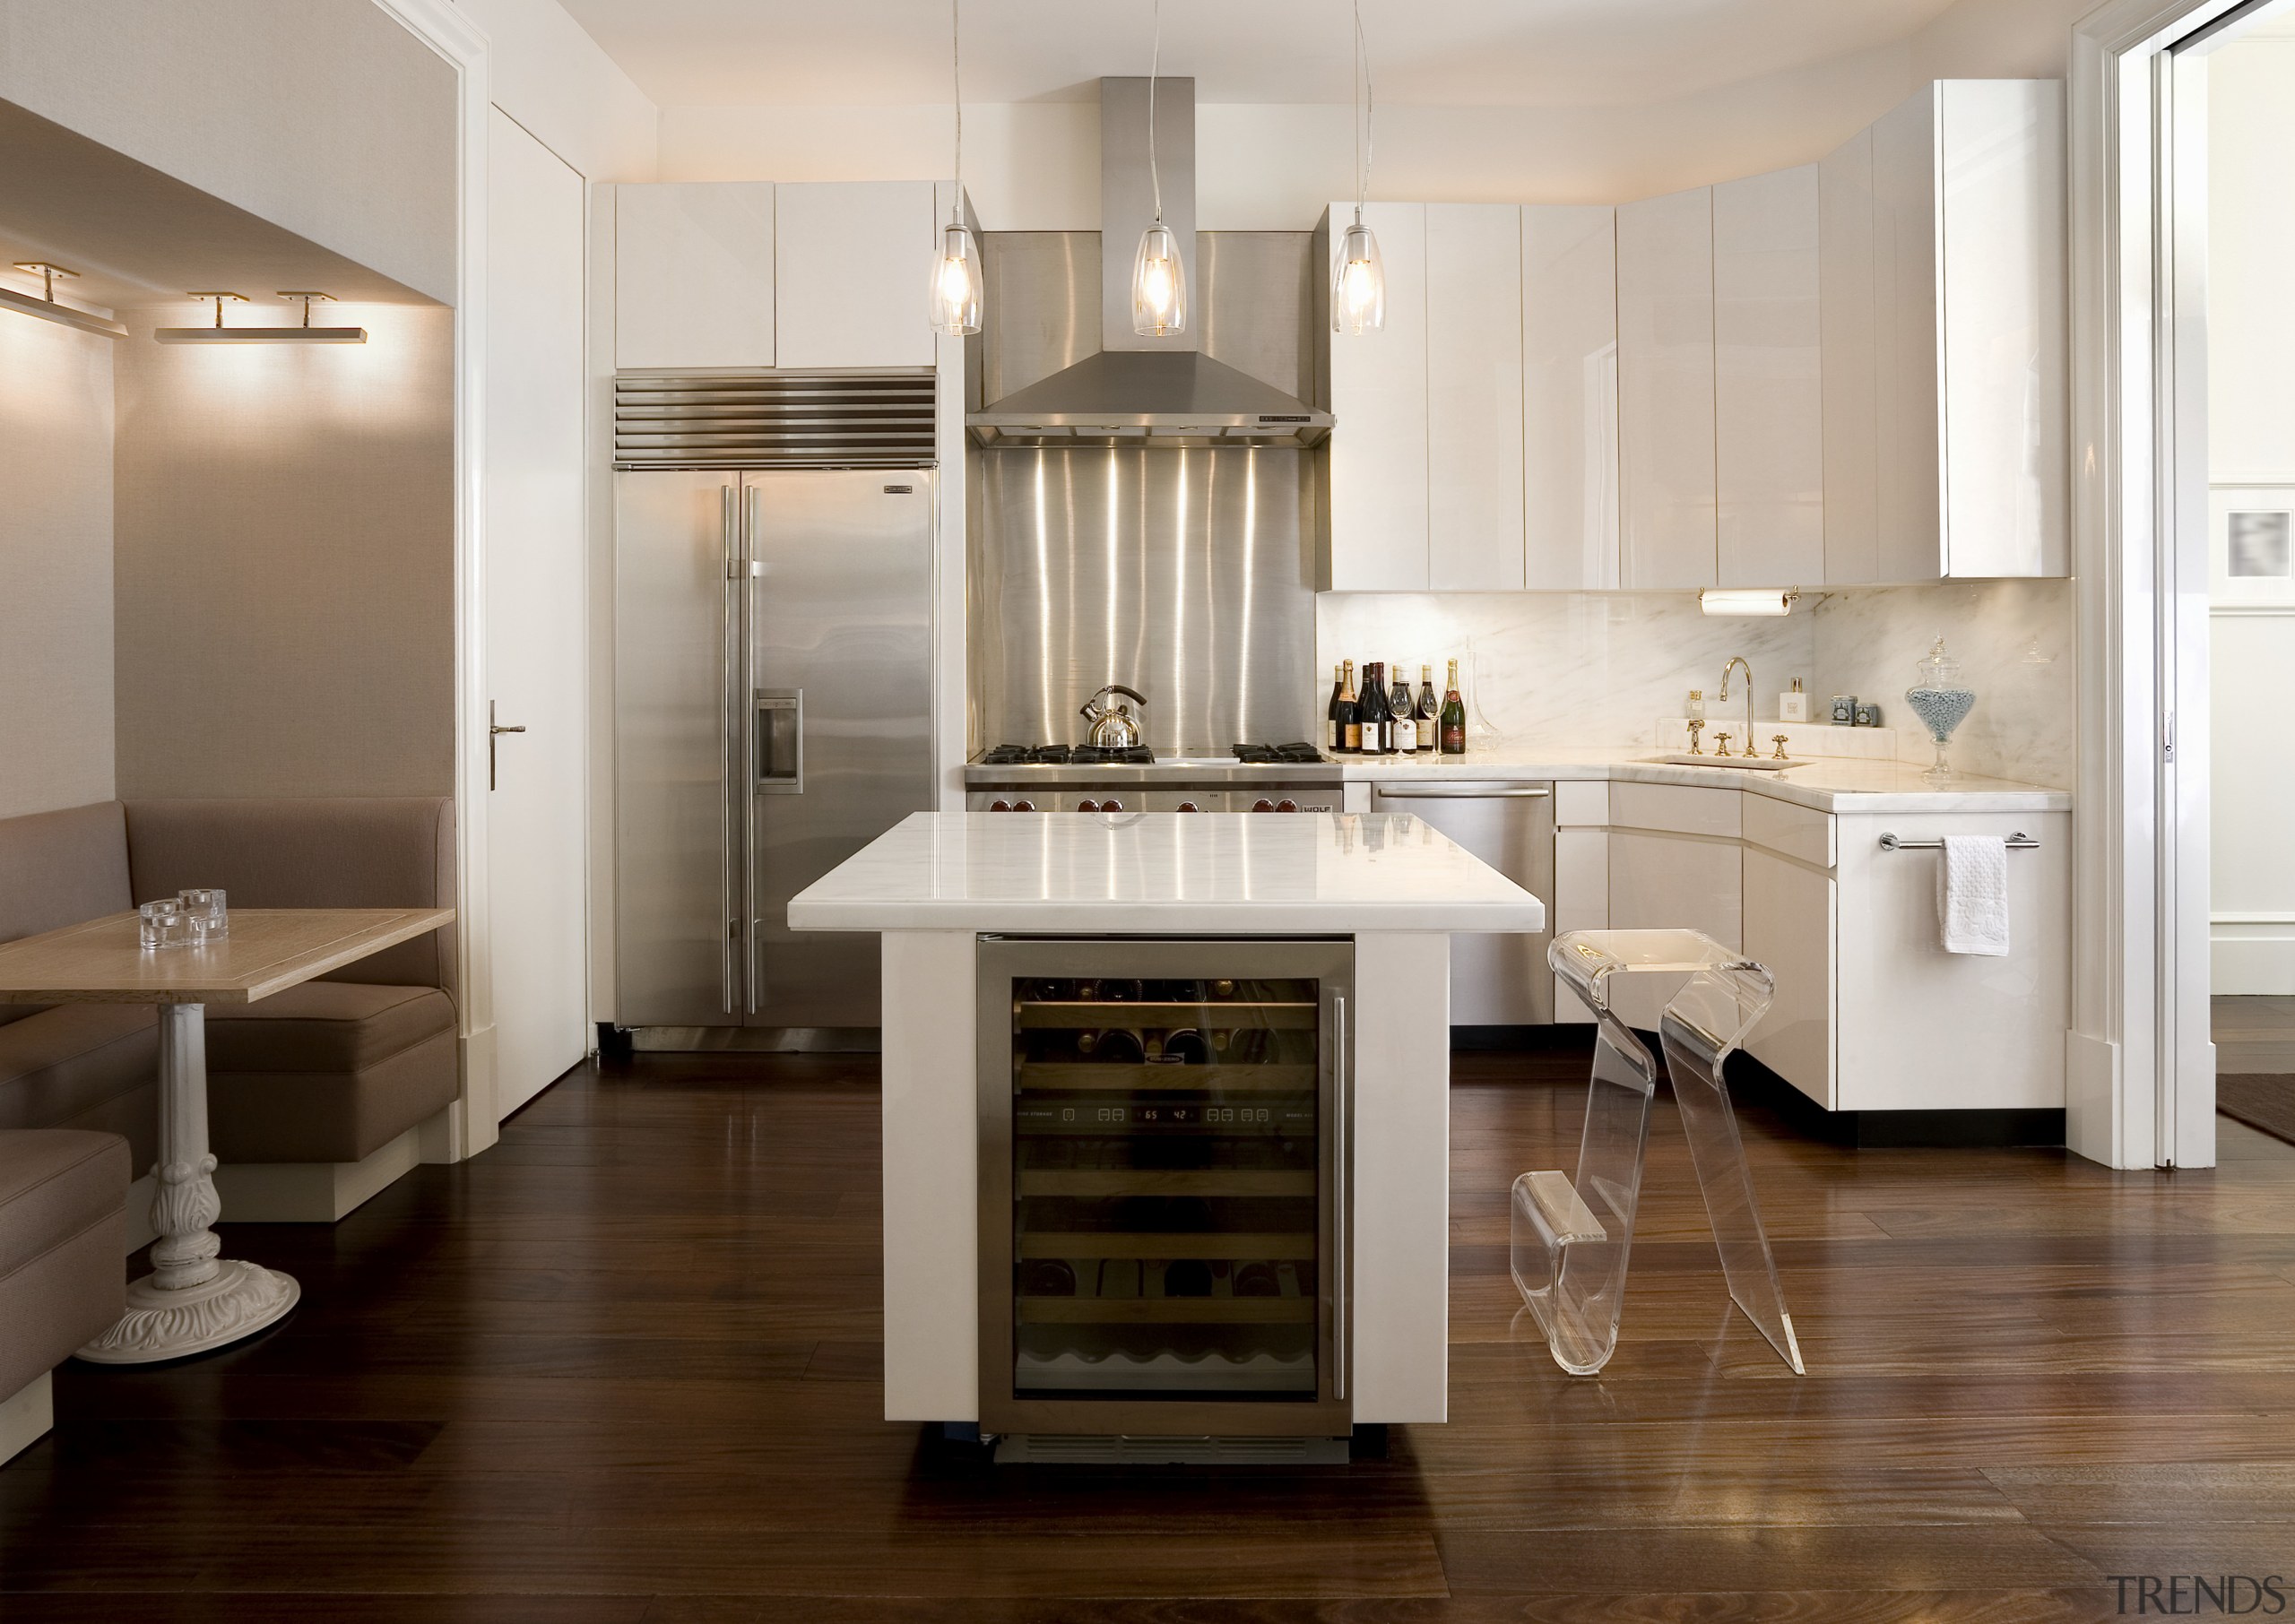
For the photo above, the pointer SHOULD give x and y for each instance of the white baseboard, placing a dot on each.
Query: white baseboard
(26, 1416)
(2251, 959)
(314, 1192)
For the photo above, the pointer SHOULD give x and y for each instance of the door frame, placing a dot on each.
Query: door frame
(2140, 1075)
(474, 1123)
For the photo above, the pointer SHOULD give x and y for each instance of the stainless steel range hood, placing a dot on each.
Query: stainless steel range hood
(1146, 391)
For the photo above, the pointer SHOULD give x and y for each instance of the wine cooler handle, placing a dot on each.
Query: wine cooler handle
(728, 922)
(1342, 1183)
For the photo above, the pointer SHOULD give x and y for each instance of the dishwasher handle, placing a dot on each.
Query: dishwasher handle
(1463, 791)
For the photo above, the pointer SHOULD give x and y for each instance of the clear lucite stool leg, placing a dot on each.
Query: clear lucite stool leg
(1572, 1235)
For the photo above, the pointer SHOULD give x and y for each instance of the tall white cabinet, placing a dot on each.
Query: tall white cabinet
(1373, 526)
(1474, 397)
(1665, 351)
(1570, 427)
(850, 265)
(1768, 404)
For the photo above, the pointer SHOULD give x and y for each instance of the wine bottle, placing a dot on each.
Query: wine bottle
(1428, 713)
(1377, 723)
(1350, 716)
(1334, 731)
(1454, 717)
(1406, 723)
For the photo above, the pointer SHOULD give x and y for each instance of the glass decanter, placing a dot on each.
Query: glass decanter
(1943, 702)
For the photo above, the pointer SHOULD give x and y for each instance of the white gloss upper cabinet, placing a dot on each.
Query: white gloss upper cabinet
(851, 262)
(1372, 524)
(1945, 221)
(693, 275)
(1474, 397)
(1570, 426)
(1665, 341)
(1768, 405)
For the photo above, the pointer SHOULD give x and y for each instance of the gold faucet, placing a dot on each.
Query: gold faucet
(1737, 661)
(1779, 740)
(1695, 728)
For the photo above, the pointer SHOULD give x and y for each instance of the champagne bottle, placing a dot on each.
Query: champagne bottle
(1334, 732)
(1429, 714)
(1350, 716)
(1454, 717)
(1406, 724)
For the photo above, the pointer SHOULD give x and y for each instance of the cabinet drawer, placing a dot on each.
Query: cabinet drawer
(1801, 833)
(1677, 809)
(1582, 803)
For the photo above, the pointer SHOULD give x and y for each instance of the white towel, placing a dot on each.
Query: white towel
(1972, 894)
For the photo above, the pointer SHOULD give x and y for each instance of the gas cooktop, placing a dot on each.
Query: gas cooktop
(1288, 755)
(1137, 755)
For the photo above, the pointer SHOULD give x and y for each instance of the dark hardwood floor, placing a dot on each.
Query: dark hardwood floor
(622, 1369)
(2253, 1034)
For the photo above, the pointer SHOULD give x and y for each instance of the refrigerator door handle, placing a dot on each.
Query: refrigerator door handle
(728, 629)
(751, 499)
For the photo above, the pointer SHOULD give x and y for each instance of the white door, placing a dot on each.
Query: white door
(535, 612)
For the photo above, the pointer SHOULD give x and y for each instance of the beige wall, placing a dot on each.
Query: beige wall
(324, 117)
(55, 566)
(1034, 166)
(285, 562)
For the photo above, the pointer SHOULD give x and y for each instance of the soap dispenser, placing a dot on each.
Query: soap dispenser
(1793, 704)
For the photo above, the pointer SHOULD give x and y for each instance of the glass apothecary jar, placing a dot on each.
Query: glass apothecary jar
(1941, 701)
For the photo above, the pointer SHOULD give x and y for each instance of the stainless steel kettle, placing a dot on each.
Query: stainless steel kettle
(1115, 729)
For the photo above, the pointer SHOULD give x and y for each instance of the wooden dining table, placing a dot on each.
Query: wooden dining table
(194, 1299)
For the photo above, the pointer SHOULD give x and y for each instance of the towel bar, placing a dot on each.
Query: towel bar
(2018, 841)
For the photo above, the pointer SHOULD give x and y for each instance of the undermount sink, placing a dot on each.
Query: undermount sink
(1751, 763)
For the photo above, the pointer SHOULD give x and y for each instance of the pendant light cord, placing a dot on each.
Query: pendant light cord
(957, 81)
(1365, 132)
(1154, 67)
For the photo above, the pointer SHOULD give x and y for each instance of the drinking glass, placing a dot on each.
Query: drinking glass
(161, 925)
(203, 907)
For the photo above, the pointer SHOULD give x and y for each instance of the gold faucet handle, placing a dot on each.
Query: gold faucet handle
(1779, 740)
(1695, 728)
(1721, 743)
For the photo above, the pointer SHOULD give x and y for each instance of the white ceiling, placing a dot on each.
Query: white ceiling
(1473, 53)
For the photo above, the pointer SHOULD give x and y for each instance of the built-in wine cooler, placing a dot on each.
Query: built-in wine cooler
(1162, 1221)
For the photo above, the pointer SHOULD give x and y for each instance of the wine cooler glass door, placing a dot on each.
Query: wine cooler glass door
(1161, 1194)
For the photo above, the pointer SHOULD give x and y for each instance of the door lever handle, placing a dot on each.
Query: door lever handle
(495, 730)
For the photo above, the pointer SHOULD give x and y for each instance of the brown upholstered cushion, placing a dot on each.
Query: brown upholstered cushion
(364, 852)
(53, 1183)
(63, 1227)
(323, 1026)
(58, 869)
(330, 1116)
(85, 1065)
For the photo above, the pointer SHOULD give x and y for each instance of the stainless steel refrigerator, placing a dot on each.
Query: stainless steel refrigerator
(773, 708)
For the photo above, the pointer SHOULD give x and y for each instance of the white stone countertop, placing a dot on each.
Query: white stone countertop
(1846, 785)
(1154, 873)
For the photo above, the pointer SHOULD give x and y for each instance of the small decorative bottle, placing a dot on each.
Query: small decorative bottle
(1695, 708)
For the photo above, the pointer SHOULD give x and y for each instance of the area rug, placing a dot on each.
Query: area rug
(2266, 1101)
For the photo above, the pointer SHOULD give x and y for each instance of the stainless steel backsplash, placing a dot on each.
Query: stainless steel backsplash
(1186, 574)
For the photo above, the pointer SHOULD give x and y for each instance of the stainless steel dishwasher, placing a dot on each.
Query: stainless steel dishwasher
(1496, 980)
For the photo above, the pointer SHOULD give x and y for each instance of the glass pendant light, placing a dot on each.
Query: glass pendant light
(954, 292)
(1358, 282)
(1159, 278)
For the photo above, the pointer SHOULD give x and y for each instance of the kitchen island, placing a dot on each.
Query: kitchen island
(1264, 970)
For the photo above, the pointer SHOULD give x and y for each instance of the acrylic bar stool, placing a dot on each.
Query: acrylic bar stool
(1572, 1235)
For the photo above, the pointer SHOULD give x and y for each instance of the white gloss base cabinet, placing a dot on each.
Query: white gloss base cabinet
(1398, 1084)
(1871, 1013)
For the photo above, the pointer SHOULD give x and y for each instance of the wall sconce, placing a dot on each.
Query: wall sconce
(49, 310)
(220, 335)
(1748, 599)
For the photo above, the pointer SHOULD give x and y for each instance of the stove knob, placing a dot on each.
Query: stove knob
(1087, 805)
(1023, 806)
(1000, 806)
(1111, 805)
(1262, 805)
(1188, 806)
(1286, 806)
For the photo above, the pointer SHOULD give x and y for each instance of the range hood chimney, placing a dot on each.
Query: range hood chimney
(1140, 390)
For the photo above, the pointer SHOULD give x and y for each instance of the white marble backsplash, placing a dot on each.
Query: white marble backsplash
(2015, 640)
(1567, 668)
(1615, 668)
